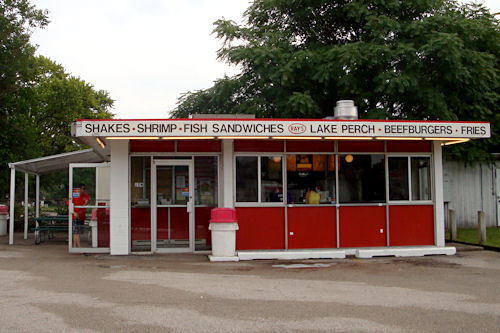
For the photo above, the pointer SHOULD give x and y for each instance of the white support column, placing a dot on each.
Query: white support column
(119, 203)
(26, 198)
(12, 202)
(227, 173)
(37, 196)
(438, 194)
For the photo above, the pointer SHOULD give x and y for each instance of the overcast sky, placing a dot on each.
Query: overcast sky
(145, 53)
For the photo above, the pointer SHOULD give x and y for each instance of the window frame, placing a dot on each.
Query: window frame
(335, 154)
(410, 189)
(259, 202)
(386, 184)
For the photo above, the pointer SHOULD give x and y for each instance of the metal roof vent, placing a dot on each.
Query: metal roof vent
(346, 110)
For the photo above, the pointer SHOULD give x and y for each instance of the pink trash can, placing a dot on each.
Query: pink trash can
(4, 216)
(223, 224)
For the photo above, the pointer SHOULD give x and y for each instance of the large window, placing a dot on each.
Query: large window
(421, 178)
(361, 178)
(140, 180)
(205, 176)
(311, 179)
(271, 179)
(414, 185)
(398, 178)
(246, 179)
(259, 179)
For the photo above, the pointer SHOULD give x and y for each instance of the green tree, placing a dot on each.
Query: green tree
(44, 110)
(57, 100)
(18, 19)
(38, 99)
(423, 59)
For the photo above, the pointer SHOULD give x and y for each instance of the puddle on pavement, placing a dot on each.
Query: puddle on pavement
(112, 266)
(425, 262)
(298, 266)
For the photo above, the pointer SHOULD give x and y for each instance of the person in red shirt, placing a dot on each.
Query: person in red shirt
(79, 215)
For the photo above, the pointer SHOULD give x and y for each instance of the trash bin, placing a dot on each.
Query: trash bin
(223, 224)
(4, 216)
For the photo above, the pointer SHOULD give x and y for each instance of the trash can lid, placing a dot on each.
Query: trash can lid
(223, 215)
(3, 209)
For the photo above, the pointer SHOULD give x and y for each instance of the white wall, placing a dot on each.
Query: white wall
(227, 173)
(469, 189)
(119, 213)
(103, 189)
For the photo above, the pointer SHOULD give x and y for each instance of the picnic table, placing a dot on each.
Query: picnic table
(48, 226)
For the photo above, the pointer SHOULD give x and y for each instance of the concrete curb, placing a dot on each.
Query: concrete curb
(473, 247)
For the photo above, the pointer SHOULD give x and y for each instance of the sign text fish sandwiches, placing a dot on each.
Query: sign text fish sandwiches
(449, 132)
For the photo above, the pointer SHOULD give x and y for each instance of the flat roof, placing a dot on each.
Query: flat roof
(57, 162)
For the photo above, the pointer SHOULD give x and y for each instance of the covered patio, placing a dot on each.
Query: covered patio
(37, 167)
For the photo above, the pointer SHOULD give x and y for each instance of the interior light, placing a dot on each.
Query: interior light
(447, 139)
(348, 138)
(132, 138)
(186, 137)
(99, 141)
(276, 159)
(349, 158)
(454, 142)
(396, 138)
(242, 137)
(297, 137)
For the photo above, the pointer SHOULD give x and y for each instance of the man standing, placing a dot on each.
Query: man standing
(80, 198)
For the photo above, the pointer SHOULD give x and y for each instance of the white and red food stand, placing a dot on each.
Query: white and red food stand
(378, 184)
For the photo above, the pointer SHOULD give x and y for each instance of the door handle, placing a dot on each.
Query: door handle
(189, 206)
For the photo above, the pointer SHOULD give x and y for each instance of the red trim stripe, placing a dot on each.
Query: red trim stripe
(291, 119)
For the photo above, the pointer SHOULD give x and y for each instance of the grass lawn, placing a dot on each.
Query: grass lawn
(472, 236)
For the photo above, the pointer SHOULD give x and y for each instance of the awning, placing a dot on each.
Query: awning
(39, 166)
(57, 162)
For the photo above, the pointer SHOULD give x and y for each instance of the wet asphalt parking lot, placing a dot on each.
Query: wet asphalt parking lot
(45, 289)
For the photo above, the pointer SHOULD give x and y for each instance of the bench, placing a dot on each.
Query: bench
(48, 230)
(48, 226)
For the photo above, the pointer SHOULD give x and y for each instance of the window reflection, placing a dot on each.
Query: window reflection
(246, 179)
(140, 179)
(271, 179)
(398, 178)
(421, 178)
(205, 174)
(361, 178)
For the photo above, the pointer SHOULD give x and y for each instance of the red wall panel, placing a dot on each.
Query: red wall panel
(361, 146)
(103, 227)
(140, 223)
(202, 218)
(409, 146)
(198, 146)
(309, 146)
(151, 145)
(411, 225)
(258, 145)
(360, 226)
(311, 233)
(260, 228)
(179, 222)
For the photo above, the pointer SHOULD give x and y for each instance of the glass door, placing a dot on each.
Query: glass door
(87, 222)
(172, 209)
